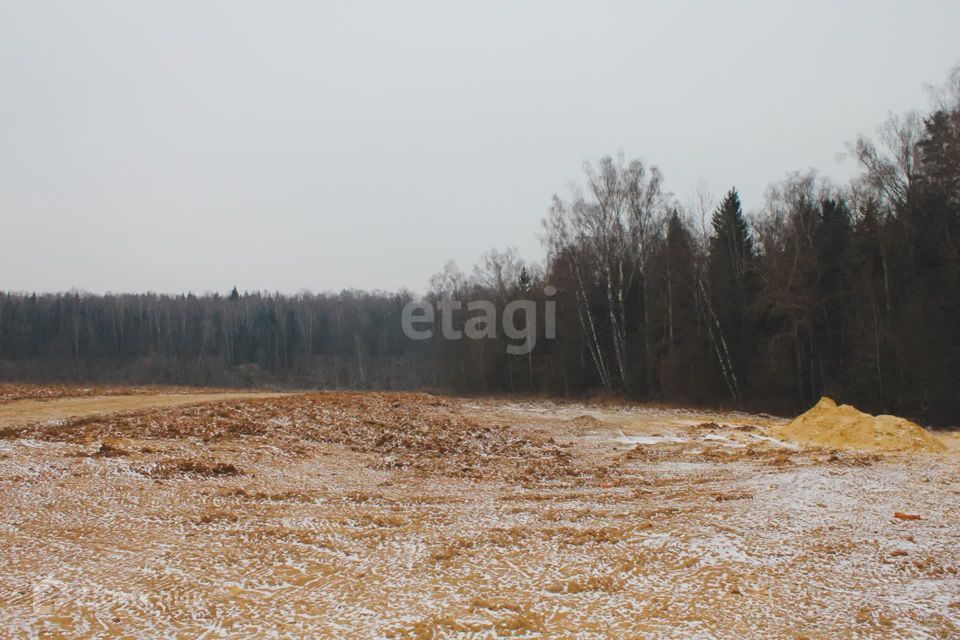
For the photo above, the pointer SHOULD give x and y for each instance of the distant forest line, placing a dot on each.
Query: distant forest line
(851, 291)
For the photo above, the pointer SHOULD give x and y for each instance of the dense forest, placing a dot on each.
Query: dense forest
(847, 290)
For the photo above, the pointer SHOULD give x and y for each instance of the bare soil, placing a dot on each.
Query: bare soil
(10, 391)
(22, 411)
(844, 427)
(412, 516)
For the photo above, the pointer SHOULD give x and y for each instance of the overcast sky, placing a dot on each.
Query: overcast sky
(193, 145)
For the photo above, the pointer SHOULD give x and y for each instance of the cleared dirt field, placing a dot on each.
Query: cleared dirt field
(16, 412)
(412, 516)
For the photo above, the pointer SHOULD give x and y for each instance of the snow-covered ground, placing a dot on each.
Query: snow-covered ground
(551, 520)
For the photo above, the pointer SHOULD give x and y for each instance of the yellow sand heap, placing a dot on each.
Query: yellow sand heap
(844, 427)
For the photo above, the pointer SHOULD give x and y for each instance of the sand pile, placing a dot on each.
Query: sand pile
(844, 427)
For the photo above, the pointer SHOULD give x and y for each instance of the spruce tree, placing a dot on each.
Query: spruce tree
(731, 247)
(731, 276)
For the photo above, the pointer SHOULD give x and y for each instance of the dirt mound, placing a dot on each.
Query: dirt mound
(407, 429)
(844, 427)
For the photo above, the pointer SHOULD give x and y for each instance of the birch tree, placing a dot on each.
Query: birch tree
(602, 236)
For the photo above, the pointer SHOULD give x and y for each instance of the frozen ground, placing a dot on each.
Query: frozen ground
(396, 515)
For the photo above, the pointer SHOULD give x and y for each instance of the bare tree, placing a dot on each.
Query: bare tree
(890, 169)
(499, 272)
(603, 235)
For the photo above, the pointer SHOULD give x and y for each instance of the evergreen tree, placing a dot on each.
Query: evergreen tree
(731, 276)
(731, 247)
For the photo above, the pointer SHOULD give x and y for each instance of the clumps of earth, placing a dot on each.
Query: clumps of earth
(843, 426)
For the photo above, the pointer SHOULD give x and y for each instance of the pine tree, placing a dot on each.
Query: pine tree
(524, 280)
(731, 276)
(731, 247)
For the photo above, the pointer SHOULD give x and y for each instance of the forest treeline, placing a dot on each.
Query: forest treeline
(847, 290)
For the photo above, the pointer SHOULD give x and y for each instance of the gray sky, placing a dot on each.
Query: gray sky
(174, 146)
